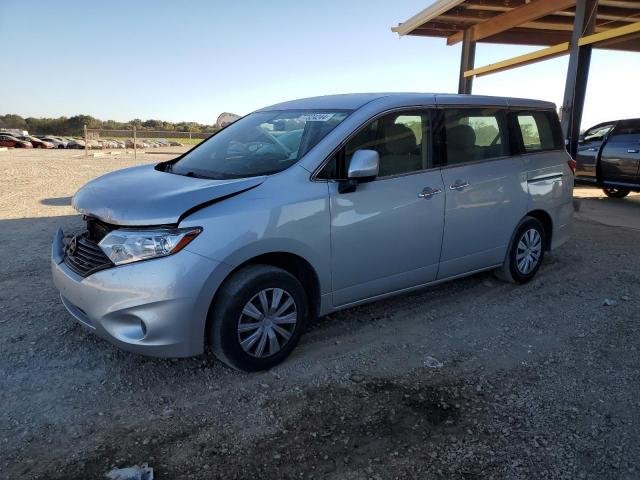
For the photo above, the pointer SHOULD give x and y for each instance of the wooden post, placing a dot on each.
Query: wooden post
(86, 142)
(577, 73)
(467, 60)
(135, 143)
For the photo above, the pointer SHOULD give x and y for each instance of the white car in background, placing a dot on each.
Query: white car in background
(56, 141)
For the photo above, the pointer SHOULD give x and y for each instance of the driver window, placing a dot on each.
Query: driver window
(597, 134)
(402, 139)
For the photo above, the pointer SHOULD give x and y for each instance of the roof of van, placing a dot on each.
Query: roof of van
(353, 101)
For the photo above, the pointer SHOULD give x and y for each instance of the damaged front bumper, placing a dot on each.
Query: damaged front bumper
(154, 307)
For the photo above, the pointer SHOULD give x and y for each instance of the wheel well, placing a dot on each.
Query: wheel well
(296, 266)
(547, 224)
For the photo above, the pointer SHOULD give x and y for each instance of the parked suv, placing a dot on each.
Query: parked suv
(308, 207)
(609, 157)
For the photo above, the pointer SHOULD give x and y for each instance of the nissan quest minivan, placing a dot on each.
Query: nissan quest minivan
(308, 207)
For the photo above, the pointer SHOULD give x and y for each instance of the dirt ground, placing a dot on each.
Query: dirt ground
(472, 379)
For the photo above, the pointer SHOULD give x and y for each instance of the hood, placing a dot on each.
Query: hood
(142, 195)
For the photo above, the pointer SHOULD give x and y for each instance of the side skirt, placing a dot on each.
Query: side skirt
(410, 289)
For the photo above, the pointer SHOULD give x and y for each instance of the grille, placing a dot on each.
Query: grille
(97, 230)
(87, 258)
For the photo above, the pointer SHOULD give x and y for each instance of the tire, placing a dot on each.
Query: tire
(529, 234)
(227, 314)
(613, 192)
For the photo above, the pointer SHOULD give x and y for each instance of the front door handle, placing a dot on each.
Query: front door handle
(633, 150)
(429, 192)
(592, 149)
(459, 185)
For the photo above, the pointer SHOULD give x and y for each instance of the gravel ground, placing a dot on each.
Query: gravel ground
(473, 379)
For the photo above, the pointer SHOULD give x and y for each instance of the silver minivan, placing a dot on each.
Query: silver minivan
(308, 207)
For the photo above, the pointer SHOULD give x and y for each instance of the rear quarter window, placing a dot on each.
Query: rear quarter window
(538, 131)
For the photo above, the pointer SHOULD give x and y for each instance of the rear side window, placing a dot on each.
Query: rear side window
(475, 134)
(538, 131)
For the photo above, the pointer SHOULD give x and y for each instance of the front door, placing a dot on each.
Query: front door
(589, 151)
(387, 234)
(621, 154)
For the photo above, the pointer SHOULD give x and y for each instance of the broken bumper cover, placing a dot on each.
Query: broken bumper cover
(154, 307)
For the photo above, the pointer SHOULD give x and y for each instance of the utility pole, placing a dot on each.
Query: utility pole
(135, 143)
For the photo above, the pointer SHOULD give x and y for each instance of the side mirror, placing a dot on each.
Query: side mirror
(364, 165)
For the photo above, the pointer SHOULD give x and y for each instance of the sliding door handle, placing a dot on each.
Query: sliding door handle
(459, 185)
(429, 192)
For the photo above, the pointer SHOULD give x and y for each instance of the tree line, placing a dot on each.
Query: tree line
(73, 126)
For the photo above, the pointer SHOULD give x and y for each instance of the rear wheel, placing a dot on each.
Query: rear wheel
(525, 254)
(257, 317)
(615, 192)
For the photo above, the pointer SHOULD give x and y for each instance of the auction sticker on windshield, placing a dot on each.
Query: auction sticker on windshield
(316, 117)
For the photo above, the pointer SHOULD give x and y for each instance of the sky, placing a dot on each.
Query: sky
(190, 61)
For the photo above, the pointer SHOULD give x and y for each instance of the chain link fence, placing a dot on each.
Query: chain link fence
(137, 139)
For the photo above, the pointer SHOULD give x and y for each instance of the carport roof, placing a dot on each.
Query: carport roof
(543, 22)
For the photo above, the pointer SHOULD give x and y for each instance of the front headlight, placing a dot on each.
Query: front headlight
(126, 246)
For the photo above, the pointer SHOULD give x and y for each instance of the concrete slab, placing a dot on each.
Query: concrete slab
(592, 204)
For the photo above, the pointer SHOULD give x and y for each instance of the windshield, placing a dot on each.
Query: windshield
(261, 143)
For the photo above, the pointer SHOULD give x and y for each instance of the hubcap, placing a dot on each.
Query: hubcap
(267, 322)
(529, 250)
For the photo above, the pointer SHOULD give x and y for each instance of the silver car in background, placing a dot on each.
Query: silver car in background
(308, 207)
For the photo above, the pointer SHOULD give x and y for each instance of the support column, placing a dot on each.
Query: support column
(577, 73)
(467, 60)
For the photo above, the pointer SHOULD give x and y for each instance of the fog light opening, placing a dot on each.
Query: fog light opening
(143, 327)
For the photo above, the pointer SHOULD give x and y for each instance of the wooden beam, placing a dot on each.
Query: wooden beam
(513, 18)
(521, 60)
(619, 4)
(610, 34)
(429, 13)
(526, 36)
(604, 13)
(629, 43)
(549, 22)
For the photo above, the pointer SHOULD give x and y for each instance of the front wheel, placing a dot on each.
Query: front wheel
(612, 192)
(525, 254)
(257, 317)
